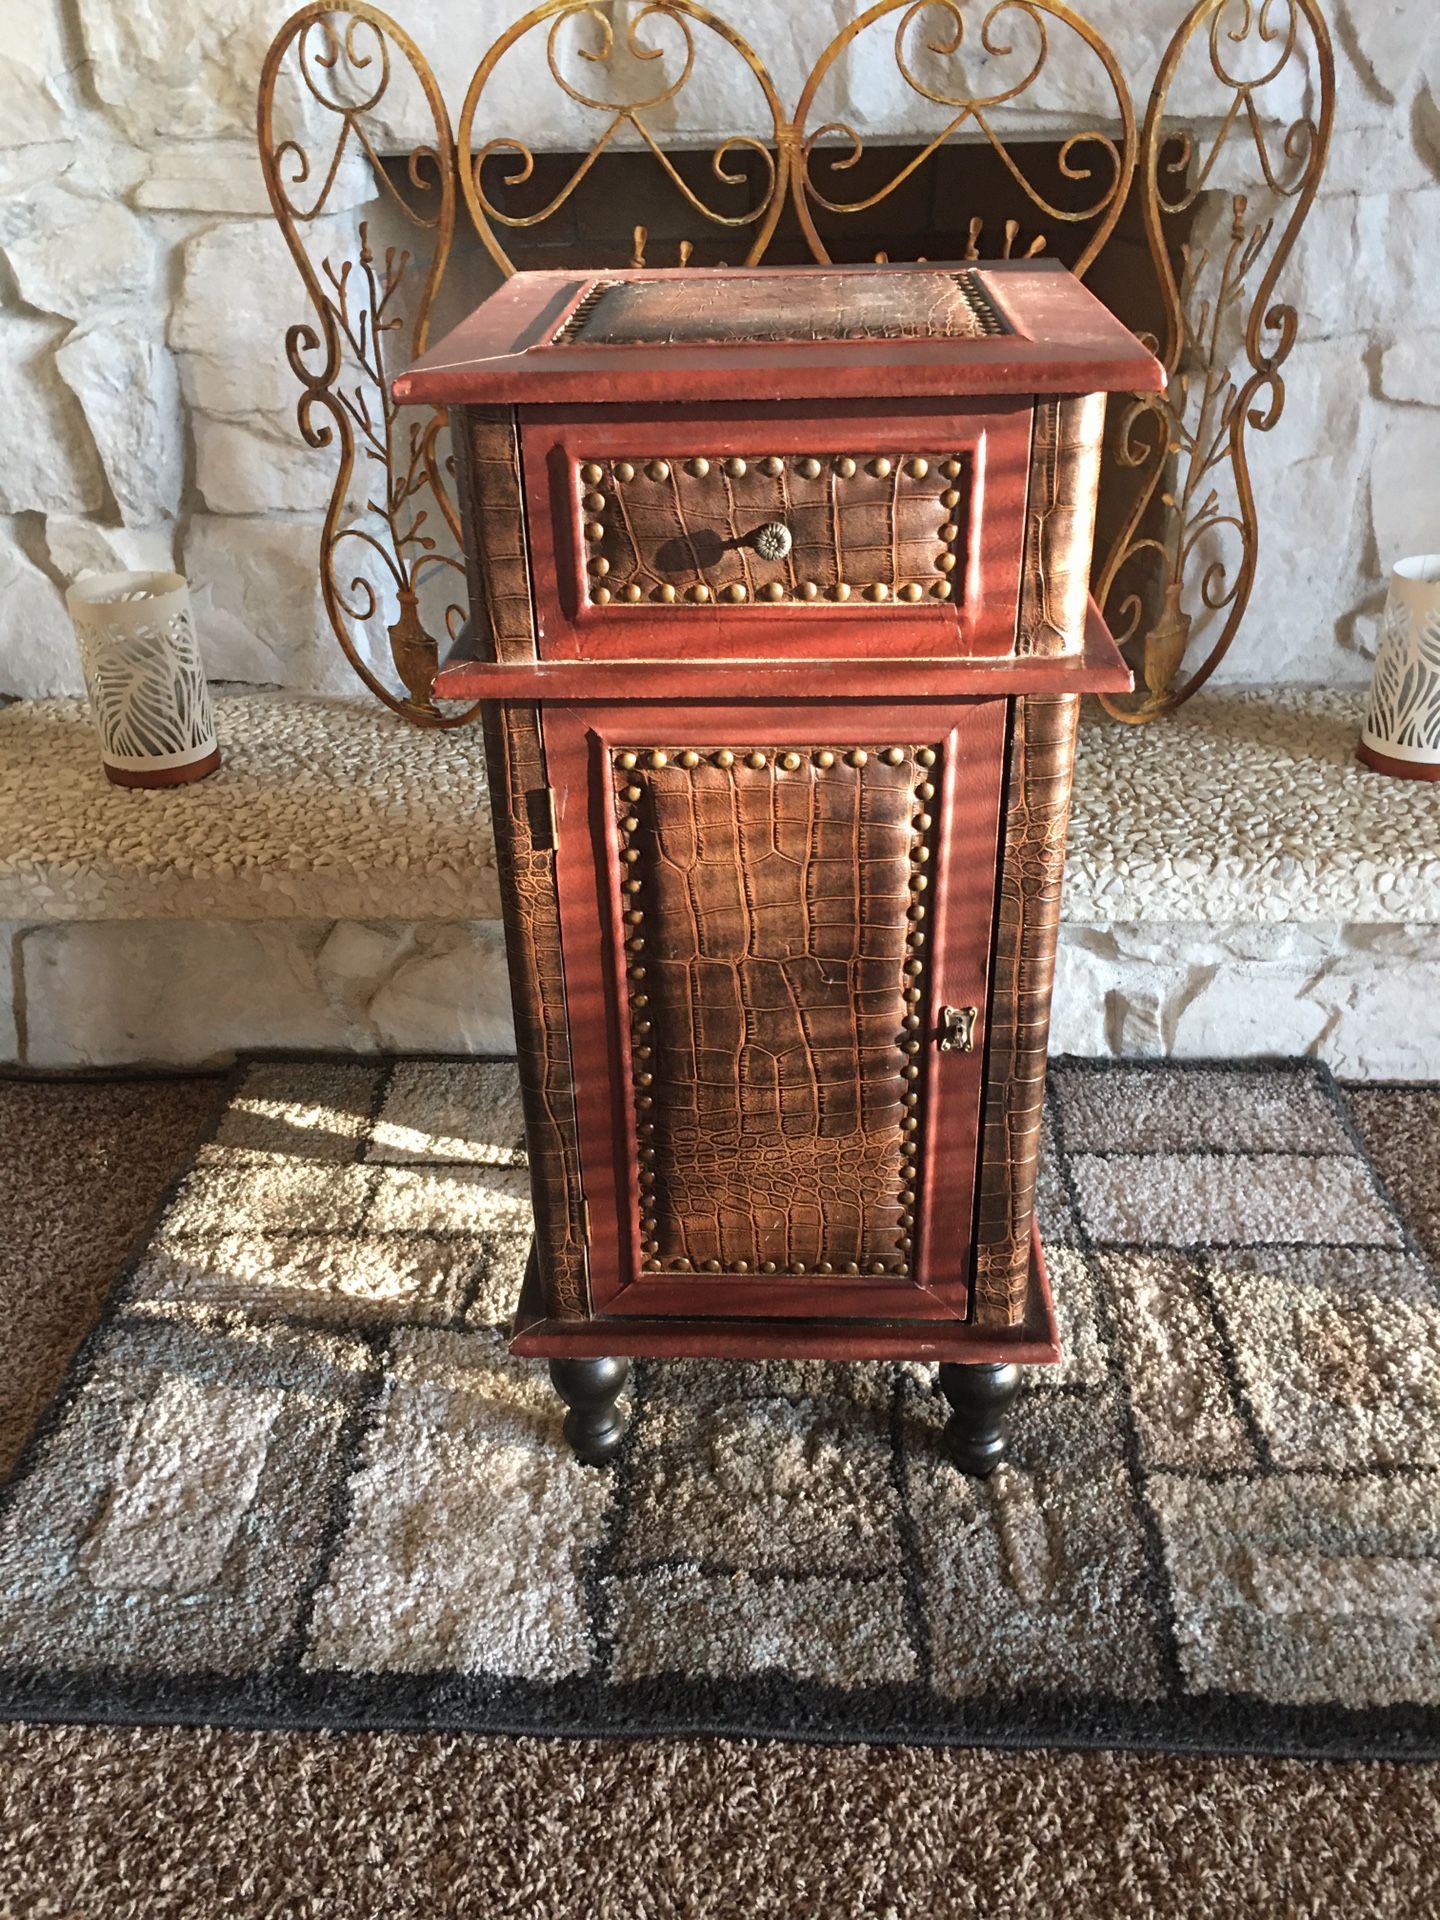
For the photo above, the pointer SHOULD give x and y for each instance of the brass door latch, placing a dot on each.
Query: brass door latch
(957, 1029)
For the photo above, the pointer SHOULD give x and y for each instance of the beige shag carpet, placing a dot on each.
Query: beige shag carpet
(1256, 1412)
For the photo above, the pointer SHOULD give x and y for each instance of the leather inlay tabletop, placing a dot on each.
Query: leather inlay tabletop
(780, 306)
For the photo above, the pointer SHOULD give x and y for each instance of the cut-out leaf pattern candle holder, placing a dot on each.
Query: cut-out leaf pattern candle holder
(143, 674)
(1401, 734)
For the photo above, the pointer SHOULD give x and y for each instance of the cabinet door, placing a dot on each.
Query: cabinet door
(764, 914)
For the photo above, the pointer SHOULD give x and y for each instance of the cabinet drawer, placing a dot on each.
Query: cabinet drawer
(726, 536)
(760, 943)
(785, 527)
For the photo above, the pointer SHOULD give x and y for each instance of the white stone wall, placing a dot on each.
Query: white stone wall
(144, 298)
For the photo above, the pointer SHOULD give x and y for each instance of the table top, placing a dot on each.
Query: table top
(838, 333)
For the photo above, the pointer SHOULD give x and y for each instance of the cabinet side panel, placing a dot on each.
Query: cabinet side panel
(1041, 761)
(1060, 524)
(487, 466)
(487, 452)
(515, 762)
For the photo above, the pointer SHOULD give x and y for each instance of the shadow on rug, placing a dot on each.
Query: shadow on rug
(293, 1479)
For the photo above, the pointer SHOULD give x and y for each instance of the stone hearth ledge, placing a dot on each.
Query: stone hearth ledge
(1239, 886)
(1248, 807)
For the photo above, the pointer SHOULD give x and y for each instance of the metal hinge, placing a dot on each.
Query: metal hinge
(585, 1221)
(544, 818)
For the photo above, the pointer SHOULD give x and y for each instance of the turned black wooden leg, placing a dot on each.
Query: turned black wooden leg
(594, 1425)
(980, 1398)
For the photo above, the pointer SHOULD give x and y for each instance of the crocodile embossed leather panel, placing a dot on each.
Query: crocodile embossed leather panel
(776, 973)
(496, 543)
(840, 305)
(1041, 762)
(861, 529)
(1060, 524)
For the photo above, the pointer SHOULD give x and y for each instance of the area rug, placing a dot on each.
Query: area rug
(293, 1479)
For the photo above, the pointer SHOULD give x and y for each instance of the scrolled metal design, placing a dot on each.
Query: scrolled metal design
(403, 529)
(945, 26)
(1188, 447)
(1186, 552)
(626, 109)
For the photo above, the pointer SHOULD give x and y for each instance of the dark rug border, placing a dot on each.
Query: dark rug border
(770, 1707)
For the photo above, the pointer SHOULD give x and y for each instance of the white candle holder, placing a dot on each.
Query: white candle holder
(148, 694)
(1401, 734)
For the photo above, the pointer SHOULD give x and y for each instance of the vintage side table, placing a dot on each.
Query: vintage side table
(780, 613)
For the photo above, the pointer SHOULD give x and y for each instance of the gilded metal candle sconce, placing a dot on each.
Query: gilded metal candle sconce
(1176, 576)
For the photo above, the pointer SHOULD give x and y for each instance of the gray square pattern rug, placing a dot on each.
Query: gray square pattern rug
(293, 1478)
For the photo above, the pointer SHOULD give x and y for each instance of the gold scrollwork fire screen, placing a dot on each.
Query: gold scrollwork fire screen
(370, 179)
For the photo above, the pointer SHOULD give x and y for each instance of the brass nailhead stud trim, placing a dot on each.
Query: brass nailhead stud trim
(808, 468)
(946, 562)
(736, 591)
(773, 465)
(879, 466)
(925, 791)
(825, 758)
(735, 467)
(601, 596)
(591, 474)
(774, 590)
(594, 503)
(756, 759)
(658, 469)
(724, 758)
(599, 566)
(809, 590)
(894, 755)
(790, 761)
(689, 758)
(659, 758)
(917, 468)
(632, 593)
(949, 531)
(700, 592)
(624, 470)
(911, 590)
(877, 590)
(845, 466)
(841, 590)
(925, 756)
(942, 589)
(951, 469)
(699, 466)
(857, 756)
(667, 592)
(950, 498)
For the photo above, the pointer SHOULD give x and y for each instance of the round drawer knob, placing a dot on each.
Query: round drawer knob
(773, 541)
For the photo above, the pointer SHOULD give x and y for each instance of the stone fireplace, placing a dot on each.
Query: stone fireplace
(144, 306)
(147, 296)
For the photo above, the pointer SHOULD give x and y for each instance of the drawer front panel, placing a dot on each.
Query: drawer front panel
(796, 528)
(760, 940)
(724, 535)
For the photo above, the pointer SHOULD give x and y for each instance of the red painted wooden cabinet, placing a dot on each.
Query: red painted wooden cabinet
(780, 618)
